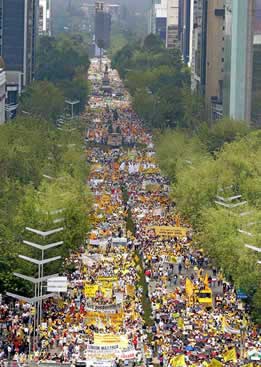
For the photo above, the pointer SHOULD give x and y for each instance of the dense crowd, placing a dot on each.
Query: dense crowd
(134, 293)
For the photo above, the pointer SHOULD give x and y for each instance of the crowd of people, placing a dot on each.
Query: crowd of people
(140, 292)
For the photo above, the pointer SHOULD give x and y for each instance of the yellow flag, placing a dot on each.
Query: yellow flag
(189, 287)
(206, 280)
(249, 365)
(180, 323)
(230, 355)
(136, 258)
(215, 363)
(178, 361)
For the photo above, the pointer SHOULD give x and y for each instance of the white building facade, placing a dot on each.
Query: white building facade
(45, 17)
(172, 39)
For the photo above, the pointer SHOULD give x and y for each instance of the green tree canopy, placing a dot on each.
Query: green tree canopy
(221, 132)
(43, 99)
(159, 83)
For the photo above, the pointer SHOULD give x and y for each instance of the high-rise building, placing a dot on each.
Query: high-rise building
(198, 45)
(256, 69)
(45, 17)
(164, 21)
(161, 7)
(102, 25)
(242, 84)
(18, 32)
(158, 19)
(184, 28)
(2, 94)
(214, 58)
(172, 38)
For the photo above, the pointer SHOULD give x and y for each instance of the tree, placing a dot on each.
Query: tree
(177, 151)
(60, 58)
(159, 82)
(43, 99)
(223, 131)
(68, 194)
(29, 149)
(153, 43)
(77, 89)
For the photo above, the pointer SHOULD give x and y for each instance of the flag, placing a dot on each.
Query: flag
(244, 321)
(180, 323)
(227, 328)
(206, 280)
(189, 287)
(248, 365)
(178, 361)
(215, 363)
(230, 355)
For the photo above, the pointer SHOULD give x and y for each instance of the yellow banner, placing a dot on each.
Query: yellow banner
(111, 339)
(189, 287)
(215, 363)
(107, 279)
(168, 231)
(178, 361)
(230, 355)
(130, 290)
(90, 290)
(93, 317)
(107, 291)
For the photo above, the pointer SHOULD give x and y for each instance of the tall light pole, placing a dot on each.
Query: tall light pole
(36, 301)
(44, 235)
(228, 201)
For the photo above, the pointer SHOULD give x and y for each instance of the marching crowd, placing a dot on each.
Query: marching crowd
(136, 295)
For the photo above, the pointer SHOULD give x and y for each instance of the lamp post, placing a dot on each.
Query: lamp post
(43, 261)
(228, 201)
(36, 301)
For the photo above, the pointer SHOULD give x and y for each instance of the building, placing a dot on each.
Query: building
(184, 28)
(13, 91)
(256, 69)
(19, 26)
(161, 19)
(198, 45)
(158, 19)
(242, 84)
(201, 33)
(172, 38)
(102, 25)
(214, 58)
(45, 17)
(2, 95)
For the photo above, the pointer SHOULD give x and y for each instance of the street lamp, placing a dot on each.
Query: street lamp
(254, 248)
(36, 301)
(43, 261)
(228, 202)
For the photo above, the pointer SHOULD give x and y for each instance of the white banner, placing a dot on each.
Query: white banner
(119, 241)
(57, 284)
(112, 308)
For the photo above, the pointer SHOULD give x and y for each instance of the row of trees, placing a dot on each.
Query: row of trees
(201, 160)
(61, 73)
(159, 83)
(43, 169)
(223, 160)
